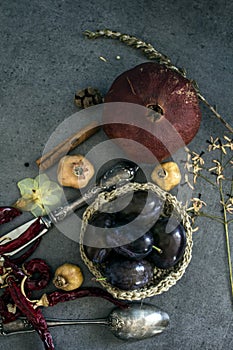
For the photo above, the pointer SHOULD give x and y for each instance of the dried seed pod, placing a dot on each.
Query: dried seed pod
(88, 97)
(74, 171)
(68, 277)
(166, 175)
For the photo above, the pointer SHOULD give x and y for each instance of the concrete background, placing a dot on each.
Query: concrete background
(44, 60)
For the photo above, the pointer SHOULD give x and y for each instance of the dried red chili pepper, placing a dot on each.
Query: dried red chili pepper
(5, 314)
(34, 316)
(37, 270)
(8, 213)
(37, 267)
(20, 260)
(56, 297)
(33, 230)
(15, 270)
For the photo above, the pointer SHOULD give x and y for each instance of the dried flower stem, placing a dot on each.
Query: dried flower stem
(207, 180)
(152, 54)
(147, 49)
(213, 110)
(227, 235)
(227, 162)
(216, 218)
(227, 205)
(231, 192)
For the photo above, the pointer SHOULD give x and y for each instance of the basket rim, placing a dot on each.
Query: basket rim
(163, 279)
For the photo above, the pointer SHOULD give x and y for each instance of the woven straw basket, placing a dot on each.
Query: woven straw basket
(163, 279)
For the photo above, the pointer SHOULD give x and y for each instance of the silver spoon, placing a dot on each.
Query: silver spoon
(137, 322)
(119, 174)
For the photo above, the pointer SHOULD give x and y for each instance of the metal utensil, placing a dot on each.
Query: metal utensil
(137, 322)
(119, 174)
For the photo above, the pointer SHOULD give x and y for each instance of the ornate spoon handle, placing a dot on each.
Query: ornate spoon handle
(61, 213)
(23, 326)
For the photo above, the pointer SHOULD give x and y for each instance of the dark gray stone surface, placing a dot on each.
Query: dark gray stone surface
(44, 60)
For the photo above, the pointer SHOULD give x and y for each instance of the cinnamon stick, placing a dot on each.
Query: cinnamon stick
(51, 157)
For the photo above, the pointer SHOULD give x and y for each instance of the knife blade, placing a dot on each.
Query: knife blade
(18, 231)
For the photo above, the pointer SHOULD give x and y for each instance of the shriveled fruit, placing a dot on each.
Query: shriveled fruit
(68, 277)
(74, 171)
(166, 175)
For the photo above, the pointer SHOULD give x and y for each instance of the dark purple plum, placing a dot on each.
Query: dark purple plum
(144, 207)
(137, 249)
(103, 220)
(128, 274)
(169, 236)
(97, 229)
(97, 255)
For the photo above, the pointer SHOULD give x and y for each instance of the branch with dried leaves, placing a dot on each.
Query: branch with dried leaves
(151, 53)
(224, 184)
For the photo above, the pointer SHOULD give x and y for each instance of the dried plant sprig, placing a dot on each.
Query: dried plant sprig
(226, 224)
(213, 110)
(197, 204)
(147, 49)
(219, 144)
(151, 53)
(229, 142)
(228, 205)
(213, 145)
(218, 170)
(197, 158)
(194, 164)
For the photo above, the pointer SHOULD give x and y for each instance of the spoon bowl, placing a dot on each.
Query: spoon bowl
(138, 322)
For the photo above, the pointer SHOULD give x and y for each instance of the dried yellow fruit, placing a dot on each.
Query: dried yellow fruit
(68, 277)
(74, 171)
(166, 175)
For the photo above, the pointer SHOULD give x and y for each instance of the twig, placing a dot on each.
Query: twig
(227, 162)
(216, 218)
(202, 98)
(207, 180)
(226, 234)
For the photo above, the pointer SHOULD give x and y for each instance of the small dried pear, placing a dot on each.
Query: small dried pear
(74, 171)
(68, 277)
(166, 175)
